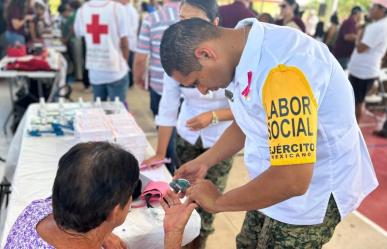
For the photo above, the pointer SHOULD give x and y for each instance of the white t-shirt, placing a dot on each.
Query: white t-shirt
(300, 109)
(103, 23)
(134, 21)
(367, 65)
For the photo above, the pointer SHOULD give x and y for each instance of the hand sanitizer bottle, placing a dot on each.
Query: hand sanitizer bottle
(62, 114)
(98, 102)
(117, 105)
(42, 109)
(81, 103)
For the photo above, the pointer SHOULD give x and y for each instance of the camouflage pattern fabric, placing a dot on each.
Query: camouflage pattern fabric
(261, 232)
(218, 175)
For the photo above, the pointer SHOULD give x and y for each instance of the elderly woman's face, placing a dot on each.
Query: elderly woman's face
(188, 11)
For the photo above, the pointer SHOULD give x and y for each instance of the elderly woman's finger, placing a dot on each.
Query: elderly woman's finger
(173, 197)
(181, 194)
(168, 199)
(164, 204)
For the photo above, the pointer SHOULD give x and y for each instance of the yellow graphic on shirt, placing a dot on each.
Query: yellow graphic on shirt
(291, 115)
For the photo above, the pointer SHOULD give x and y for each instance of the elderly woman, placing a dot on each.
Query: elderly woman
(92, 195)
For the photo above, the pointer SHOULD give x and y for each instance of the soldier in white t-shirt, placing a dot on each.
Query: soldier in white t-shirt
(104, 24)
(365, 63)
(304, 152)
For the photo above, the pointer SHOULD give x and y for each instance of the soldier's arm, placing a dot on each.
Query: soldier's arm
(230, 143)
(275, 185)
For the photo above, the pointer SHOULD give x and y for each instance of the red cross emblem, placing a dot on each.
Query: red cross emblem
(96, 29)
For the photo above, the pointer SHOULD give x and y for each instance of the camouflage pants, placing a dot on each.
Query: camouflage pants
(261, 232)
(217, 175)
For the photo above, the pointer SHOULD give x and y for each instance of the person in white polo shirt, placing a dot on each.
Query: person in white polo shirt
(200, 120)
(304, 152)
(366, 60)
(104, 24)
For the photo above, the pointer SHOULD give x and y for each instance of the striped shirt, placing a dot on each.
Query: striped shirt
(152, 31)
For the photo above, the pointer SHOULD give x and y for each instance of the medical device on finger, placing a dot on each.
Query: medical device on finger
(180, 185)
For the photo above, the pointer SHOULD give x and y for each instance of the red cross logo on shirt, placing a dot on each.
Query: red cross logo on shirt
(96, 29)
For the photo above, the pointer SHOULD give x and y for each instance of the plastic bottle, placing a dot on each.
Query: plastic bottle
(97, 102)
(81, 104)
(62, 115)
(42, 109)
(117, 105)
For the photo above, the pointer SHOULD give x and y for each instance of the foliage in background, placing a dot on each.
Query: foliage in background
(345, 6)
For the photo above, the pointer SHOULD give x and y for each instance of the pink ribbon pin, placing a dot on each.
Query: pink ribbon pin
(246, 91)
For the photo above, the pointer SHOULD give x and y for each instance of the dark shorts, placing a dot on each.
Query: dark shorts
(360, 88)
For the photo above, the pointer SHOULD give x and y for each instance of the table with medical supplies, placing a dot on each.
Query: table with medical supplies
(31, 166)
(15, 77)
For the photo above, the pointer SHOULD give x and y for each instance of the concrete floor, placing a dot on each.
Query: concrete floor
(352, 233)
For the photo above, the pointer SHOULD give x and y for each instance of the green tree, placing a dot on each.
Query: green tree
(345, 6)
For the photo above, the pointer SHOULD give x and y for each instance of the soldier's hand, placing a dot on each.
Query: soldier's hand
(204, 193)
(192, 171)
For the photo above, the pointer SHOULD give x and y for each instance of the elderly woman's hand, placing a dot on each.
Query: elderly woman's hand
(176, 217)
(177, 214)
(113, 242)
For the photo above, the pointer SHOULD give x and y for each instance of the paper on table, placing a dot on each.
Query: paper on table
(157, 174)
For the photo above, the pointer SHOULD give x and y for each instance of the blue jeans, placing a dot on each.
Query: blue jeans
(171, 150)
(13, 38)
(112, 90)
